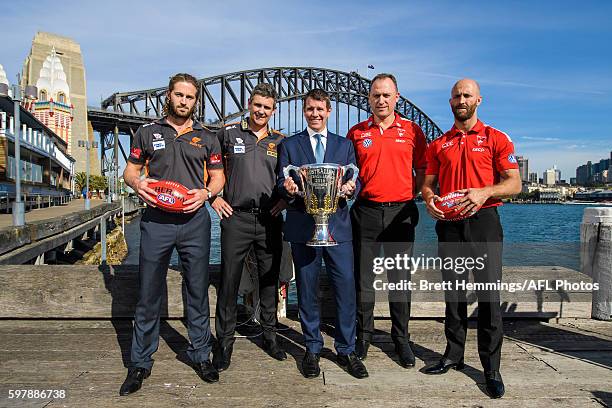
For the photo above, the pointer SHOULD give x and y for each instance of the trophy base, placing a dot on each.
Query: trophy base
(321, 243)
(322, 236)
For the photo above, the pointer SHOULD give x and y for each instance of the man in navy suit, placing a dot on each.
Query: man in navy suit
(317, 145)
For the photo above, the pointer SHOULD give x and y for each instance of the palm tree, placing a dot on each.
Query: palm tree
(80, 181)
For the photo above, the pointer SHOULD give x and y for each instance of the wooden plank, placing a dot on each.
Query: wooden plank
(85, 358)
(15, 237)
(59, 291)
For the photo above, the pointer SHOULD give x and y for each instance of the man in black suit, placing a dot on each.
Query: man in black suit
(317, 145)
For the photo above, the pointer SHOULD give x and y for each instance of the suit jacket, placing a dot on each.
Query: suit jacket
(297, 150)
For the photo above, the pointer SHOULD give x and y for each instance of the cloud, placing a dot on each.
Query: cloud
(544, 139)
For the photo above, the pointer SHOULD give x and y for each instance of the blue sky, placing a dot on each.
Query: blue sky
(545, 67)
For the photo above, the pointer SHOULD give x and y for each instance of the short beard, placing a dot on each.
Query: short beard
(462, 117)
(173, 112)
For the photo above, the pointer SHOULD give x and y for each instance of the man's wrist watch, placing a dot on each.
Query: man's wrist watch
(209, 195)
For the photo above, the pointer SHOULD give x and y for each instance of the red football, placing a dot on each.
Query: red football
(449, 205)
(170, 195)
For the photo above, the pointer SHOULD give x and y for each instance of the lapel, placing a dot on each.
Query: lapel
(330, 147)
(304, 140)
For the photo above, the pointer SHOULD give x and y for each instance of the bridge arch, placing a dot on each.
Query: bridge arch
(225, 98)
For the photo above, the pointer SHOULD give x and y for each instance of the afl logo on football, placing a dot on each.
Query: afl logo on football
(166, 198)
(367, 143)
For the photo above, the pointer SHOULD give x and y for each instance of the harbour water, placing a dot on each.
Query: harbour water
(534, 234)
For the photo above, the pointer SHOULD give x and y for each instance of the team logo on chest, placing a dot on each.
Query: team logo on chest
(195, 141)
(480, 140)
(367, 143)
(271, 150)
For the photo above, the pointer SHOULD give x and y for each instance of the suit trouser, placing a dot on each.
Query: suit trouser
(339, 266)
(160, 233)
(392, 229)
(478, 236)
(239, 233)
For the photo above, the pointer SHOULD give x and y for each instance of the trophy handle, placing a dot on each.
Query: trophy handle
(353, 177)
(286, 171)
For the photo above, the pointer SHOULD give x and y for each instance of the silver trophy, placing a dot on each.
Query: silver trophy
(321, 183)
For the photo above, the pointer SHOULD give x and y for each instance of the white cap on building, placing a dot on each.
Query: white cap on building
(52, 79)
(3, 78)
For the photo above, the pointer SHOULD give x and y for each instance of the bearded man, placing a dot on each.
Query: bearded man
(178, 148)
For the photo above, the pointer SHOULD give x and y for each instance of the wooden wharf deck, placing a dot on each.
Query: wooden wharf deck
(76, 337)
(565, 364)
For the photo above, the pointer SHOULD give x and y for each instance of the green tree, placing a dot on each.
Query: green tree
(80, 181)
(97, 183)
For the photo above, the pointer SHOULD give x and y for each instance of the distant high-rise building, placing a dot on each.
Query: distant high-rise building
(533, 177)
(582, 175)
(573, 181)
(557, 174)
(550, 177)
(523, 164)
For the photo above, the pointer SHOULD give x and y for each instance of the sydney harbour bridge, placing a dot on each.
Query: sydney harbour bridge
(224, 99)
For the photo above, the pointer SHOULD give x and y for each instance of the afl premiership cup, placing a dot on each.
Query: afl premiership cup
(321, 184)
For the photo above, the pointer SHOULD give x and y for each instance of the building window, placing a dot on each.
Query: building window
(61, 97)
(43, 96)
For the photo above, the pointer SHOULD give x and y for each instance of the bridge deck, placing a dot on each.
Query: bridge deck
(564, 364)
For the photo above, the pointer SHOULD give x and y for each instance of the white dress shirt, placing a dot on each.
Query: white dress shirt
(313, 139)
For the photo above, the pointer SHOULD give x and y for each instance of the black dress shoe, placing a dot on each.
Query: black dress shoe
(495, 384)
(207, 371)
(353, 365)
(133, 381)
(443, 366)
(222, 357)
(310, 365)
(274, 350)
(361, 349)
(405, 354)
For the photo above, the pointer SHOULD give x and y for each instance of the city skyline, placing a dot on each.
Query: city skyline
(543, 76)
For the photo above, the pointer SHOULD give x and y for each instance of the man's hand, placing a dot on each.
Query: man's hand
(194, 203)
(290, 186)
(474, 199)
(145, 192)
(221, 207)
(278, 207)
(348, 189)
(434, 211)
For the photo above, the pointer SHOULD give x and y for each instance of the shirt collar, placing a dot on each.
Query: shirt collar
(244, 125)
(311, 132)
(196, 125)
(396, 121)
(478, 127)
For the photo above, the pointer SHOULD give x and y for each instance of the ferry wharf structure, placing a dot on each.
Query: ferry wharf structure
(68, 328)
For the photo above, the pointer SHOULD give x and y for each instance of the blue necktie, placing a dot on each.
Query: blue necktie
(319, 150)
